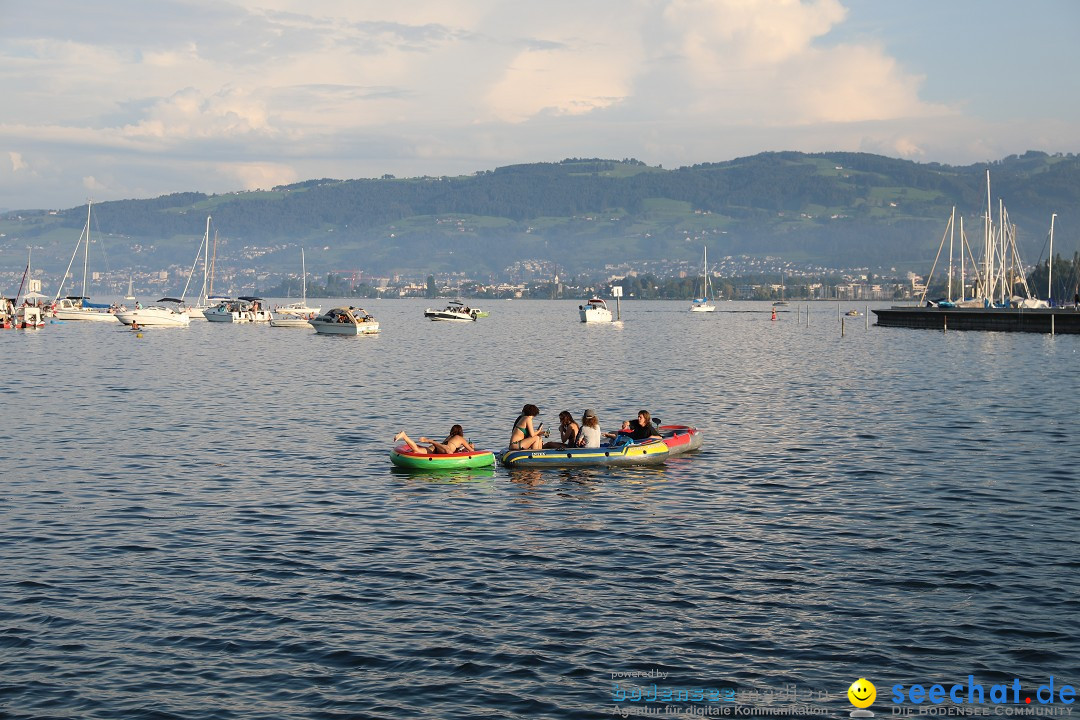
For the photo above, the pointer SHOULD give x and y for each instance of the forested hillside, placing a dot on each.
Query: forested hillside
(838, 209)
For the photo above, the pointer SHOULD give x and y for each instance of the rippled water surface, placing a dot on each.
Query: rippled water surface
(204, 522)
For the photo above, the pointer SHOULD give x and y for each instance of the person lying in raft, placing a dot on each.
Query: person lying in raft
(624, 430)
(455, 442)
(524, 436)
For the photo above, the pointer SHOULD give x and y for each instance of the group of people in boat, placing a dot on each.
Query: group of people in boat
(526, 436)
(573, 434)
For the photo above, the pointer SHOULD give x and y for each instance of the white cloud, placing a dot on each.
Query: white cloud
(186, 94)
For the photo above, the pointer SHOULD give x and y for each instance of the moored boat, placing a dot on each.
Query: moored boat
(594, 311)
(403, 457)
(680, 438)
(649, 452)
(455, 311)
(79, 308)
(345, 321)
(167, 313)
(244, 309)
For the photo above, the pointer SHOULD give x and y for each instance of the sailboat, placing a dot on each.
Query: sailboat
(781, 302)
(131, 290)
(195, 312)
(702, 303)
(79, 307)
(296, 314)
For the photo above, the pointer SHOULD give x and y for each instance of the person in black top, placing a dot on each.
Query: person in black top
(643, 429)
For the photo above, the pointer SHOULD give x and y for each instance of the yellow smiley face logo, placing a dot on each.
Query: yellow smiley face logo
(862, 693)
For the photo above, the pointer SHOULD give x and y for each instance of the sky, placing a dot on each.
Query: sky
(121, 99)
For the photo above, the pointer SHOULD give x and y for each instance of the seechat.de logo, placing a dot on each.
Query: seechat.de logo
(862, 694)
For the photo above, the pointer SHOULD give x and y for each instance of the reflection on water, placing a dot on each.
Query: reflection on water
(205, 522)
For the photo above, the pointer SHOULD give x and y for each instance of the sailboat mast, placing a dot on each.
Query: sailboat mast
(206, 255)
(1050, 264)
(988, 247)
(963, 291)
(303, 269)
(86, 248)
(952, 233)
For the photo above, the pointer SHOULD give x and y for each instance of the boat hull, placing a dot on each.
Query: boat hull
(289, 321)
(647, 453)
(592, 315)
(84, 315)
(703, 307)
(332, 328)
(680, 438)
(1036, 320)
(403, 457)
(448, 316)
(154, 317)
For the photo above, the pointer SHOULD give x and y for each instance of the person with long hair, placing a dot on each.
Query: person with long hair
(589, 434)
(568, 432)
(524, 436)
(643, 429)
(455, 442)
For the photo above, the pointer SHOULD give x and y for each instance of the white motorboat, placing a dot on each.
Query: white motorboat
(594, 311)
(167, 312)
(345, 321)
(244, 309)
(78, 308)
(279, 319)
(702, 303)
(455, 311)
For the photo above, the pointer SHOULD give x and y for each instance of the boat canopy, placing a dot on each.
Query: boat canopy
(249, 298)
(95, 306)
(171, 299)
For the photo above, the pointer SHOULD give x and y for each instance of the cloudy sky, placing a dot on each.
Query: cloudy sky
(137, 98)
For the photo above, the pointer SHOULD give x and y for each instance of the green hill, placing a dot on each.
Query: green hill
(837, 209)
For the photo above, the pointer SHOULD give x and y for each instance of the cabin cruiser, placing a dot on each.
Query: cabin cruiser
(167, 312)
(80, 308)
(345, 321)
(594, 311)
(455, 310)
(244, 309)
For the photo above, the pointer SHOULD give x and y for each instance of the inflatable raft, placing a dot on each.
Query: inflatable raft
(403, 457)
(650, 452)
(680, 438)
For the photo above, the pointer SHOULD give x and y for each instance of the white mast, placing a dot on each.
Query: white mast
(952, 233)
(206, 255)
(303, 269)
(963, 292)
(86, 249)
(988, 247)
(1050, 265)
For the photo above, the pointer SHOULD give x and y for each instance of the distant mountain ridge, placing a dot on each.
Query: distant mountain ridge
(837, 209)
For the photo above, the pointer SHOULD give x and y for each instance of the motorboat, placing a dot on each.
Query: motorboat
(402, 456)
(244, 309)
(454, 311)
(80, 308)
(594, 311)
(278, 318)
(345, 321)
(680, 438)
(28, 316)
(167, 312)
(647, 452)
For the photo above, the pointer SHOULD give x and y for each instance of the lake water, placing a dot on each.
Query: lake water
(204, 522)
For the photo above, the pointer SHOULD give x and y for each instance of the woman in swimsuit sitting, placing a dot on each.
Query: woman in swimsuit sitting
(524, 436)
(568, 432)
(455, 442)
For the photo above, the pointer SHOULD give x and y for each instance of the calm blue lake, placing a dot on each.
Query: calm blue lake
(204, 522)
